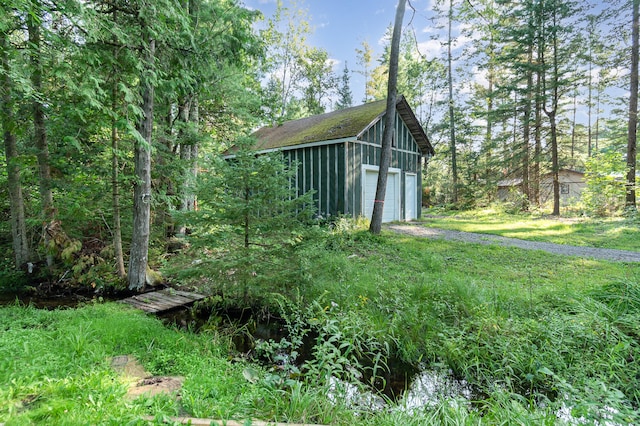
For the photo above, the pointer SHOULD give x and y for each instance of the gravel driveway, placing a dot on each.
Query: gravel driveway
(471, 237)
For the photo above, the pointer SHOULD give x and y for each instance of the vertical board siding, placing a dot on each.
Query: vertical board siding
(321, 169)
(355, 165)
(336, 180)
(341, 154)
(325, 180)
(334, 171)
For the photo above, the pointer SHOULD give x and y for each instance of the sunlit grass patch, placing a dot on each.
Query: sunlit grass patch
(619, 232)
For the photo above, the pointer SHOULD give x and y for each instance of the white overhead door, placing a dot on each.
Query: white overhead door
(410, 196)
(391, 210)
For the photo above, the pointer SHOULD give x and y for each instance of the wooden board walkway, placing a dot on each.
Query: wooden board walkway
(163, 300)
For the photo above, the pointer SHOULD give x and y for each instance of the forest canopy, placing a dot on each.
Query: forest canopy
(111, 111)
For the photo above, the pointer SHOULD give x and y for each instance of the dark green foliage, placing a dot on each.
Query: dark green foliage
(253, 220)
(92, 63)
(345, 97)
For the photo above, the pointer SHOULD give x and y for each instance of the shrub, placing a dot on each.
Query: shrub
(605, 191)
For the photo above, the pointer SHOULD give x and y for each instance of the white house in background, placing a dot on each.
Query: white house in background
(572, 183)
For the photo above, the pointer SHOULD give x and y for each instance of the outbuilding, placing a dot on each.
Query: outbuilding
(572, 183)
(338, 157)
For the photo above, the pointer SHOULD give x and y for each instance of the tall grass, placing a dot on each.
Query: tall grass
(538, 338)
(544, 330)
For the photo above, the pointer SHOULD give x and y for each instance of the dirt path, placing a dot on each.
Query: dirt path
(471, 237)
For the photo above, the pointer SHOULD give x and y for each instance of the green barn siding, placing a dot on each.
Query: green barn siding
(341, 181)
(356, 165)
(323, 179)
(308, 169)
(316, 184)
(320, 169)
(334, 171)
(336, 179)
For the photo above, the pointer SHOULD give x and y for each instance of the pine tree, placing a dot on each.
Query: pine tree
(345, 98)
(633, 110)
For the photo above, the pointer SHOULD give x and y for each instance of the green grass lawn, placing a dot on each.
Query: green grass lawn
(533, 335)
(617, 233)
(55, 368)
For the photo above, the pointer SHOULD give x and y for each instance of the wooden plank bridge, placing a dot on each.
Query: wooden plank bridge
(163, 300)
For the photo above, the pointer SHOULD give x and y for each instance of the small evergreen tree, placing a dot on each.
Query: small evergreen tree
(345, 98)
(254, 216)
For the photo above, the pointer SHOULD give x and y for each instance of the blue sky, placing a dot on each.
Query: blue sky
(340, 26)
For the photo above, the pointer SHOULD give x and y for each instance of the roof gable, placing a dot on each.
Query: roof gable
(336, 125)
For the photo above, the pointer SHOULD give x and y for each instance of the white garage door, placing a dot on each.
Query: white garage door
(410, 196)
(391, 210)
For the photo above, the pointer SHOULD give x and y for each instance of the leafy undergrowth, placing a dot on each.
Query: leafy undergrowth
(617, 232)
(538, 338)
(534, 333)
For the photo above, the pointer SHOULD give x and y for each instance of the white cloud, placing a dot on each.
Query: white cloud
(431, 48)
(480, 76)
(430, 29)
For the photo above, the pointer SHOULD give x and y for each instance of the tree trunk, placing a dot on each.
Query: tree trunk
(526, 128)
(551, 112)
(115, 184)
(537, 136)
(389, 121)
(452, 129)
(115, 187)
(194, 118)
(185, 154)
(138, 262)
(488, 137)
(590, 89)
(16, 200)
(188, 154)
(633, 112)
(555, 167)
(573, 128)
(40, 131)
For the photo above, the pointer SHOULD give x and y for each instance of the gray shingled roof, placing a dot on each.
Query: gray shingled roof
(346, 123)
